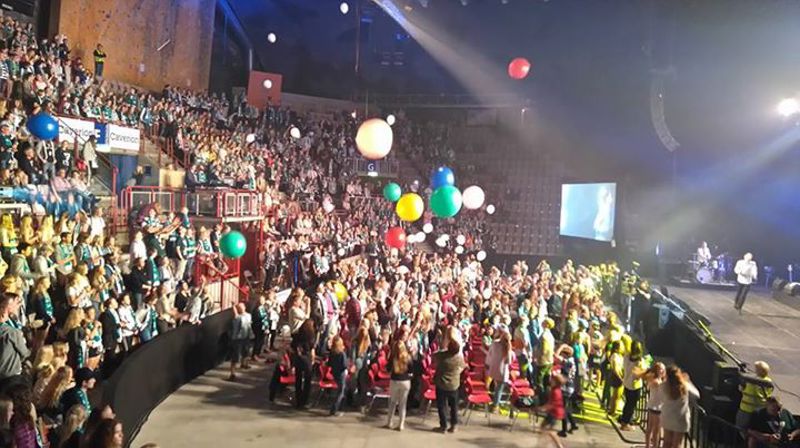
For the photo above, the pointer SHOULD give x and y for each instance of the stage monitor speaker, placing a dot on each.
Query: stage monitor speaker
(778, 284)
(725, 379)
(792, 289)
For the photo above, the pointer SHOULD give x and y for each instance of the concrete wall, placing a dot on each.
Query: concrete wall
(132, 31)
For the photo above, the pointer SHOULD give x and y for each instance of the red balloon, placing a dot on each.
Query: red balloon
(396, 237)
(519, 68)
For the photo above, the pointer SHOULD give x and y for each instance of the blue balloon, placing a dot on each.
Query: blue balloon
(442, 177)
(43, 126)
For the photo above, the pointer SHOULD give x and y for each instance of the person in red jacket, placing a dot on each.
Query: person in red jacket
(352, 314)
(555, 410)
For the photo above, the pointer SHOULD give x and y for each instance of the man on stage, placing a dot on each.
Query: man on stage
(746, 273)
(703, 254)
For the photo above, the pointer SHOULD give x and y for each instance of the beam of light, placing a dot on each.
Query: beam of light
(464, 63)
(788, 107)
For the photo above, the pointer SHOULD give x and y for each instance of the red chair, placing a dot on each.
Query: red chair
(287, 378)
(429, 395)
(516, 407)
(326, 381)
(375, 389)
(475, 398)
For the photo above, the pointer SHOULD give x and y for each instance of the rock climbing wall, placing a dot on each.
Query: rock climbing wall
(149, 43)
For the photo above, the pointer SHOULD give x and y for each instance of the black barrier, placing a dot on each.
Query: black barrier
(161, 366)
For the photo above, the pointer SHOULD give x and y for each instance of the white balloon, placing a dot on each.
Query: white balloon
(490, 209)
(390, 120)
(487, 293)
(272, 38)
(328, 207)
(267, 83)
(421, 237)
(341, 252)
(344, 8)
(250, 138)
(481, 255)
(461, 239)
(459, 250)
(294, 132)
(445, 237)
(411, 239)
(473, 197)
(427, 228)
(441, 243)
(374, 139)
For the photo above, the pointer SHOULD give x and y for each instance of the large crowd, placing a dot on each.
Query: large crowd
(406, 326)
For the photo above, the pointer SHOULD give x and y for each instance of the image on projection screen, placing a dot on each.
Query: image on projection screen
(587, 210)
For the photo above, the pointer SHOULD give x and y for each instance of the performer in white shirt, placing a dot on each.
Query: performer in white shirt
(703, 253)
(746, 273)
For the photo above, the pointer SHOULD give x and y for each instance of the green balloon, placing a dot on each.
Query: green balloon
(233, 244)
(392, 192)
(446, 201)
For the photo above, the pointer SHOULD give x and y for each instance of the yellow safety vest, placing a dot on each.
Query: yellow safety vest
(754, 397)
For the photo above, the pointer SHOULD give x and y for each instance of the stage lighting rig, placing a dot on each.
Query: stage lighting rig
(788, 107)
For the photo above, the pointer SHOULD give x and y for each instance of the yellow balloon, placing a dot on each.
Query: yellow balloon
(410, 207)
(341, 291)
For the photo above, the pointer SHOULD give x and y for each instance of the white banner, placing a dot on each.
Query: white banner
(69, 127)
(122, 138)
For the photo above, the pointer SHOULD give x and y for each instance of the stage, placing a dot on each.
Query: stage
(767, 330)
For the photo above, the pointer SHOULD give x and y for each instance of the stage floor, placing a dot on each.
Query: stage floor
(767, 331)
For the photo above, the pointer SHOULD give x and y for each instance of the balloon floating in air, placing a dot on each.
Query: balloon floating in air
(43, 126)
(390, 120)
(374, 139)
(340, 291)
(294, 132)
(392, 192)
(396, 238)
(410, 207)
(481, 255)
(267, 83)
(233, 244)
(446, 201)
(519, 68)
(441, 177)
(473, 197)
(490, 209)
(250, 138)
(427, 228)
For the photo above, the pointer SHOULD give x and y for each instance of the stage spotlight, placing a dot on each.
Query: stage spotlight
(344, 8)
(788, 107)
(272, 38)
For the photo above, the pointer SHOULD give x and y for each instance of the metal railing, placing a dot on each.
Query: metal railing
(216, 203)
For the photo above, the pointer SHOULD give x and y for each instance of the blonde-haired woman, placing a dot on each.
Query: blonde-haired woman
(8, 237)
(498, 362)
(400, 384)
(47, 233)
(60, 354)
(75, 334)
(50, 398)
(27, 234)
(69, 434)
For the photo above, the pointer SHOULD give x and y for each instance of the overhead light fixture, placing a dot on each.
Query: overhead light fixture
(464, 2)
(272, 38)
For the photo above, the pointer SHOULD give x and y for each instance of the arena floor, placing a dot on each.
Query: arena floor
(212, 412)
(766, 330)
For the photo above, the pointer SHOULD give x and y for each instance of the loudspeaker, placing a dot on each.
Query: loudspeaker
(793, 289)
(725, 379)
(26, 7)
(778, 284)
